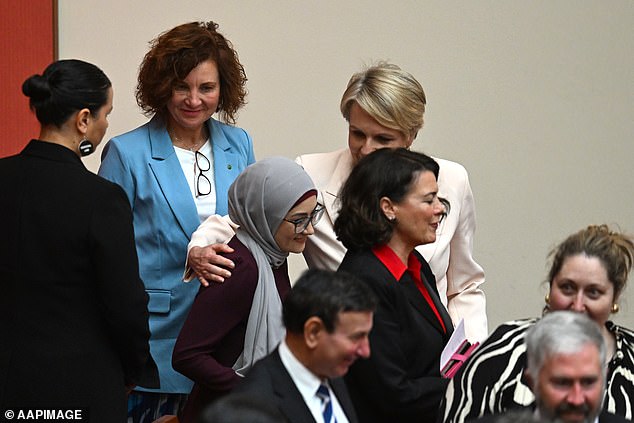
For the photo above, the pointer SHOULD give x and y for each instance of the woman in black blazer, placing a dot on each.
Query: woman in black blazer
(73, 311)
(389, 205)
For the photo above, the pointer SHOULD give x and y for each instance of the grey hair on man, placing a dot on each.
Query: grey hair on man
(561, 332)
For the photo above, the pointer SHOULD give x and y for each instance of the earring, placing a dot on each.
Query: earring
(546, 308)
(86, 147)
(615, 308)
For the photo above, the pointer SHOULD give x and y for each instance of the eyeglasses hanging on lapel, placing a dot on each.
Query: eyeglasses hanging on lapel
(203, 184)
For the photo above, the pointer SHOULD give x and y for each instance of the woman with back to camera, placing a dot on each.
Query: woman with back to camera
(384, 216)
(234, 324)
(73, 312)
(588, 274)
(176, 170)
(384, 107)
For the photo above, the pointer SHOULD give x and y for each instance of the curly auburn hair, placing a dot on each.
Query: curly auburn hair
(174, 53)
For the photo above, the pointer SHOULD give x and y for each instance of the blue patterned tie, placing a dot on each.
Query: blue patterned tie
(326, 404)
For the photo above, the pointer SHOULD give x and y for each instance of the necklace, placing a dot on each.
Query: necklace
(192, 147)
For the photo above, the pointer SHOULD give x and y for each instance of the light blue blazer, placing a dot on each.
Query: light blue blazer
(144, 163)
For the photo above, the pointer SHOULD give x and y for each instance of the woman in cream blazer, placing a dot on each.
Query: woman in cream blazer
(384, 107)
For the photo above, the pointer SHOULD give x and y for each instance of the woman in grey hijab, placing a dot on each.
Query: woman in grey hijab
(231, 325)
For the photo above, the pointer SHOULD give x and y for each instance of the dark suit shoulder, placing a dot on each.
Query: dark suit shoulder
(365, 265)
(268, 380)
(260, 378)
(606, 417)
(526, 415)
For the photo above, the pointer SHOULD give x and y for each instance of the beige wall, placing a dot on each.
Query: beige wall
(535, 98)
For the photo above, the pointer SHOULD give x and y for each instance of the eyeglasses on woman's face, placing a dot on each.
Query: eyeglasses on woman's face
(302, 223)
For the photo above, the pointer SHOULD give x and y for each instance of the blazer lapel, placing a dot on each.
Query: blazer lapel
(339, 388)
(430, 283)
(420, 304)
(339, 176)
(226, 167)
(291, 401)
(169, 175)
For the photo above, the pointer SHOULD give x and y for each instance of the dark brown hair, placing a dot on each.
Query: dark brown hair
(383, 173)
(173, 54)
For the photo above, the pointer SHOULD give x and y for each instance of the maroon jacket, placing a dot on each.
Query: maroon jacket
(212, 337)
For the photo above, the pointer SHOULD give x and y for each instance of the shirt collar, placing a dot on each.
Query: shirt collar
(397, 268)
(306, 381)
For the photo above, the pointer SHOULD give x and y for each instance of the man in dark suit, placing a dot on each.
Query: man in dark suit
(566, 357)
(328, 318)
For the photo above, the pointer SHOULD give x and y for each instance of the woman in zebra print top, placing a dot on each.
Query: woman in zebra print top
(588, 274)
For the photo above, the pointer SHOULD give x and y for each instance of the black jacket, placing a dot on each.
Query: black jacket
(401, 380)
(73, 311)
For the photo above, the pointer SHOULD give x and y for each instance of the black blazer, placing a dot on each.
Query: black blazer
(73, 311)
(604, 417)
(269, 380)
(401, 380)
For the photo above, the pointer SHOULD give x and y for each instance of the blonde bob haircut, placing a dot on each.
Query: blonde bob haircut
(393, 97)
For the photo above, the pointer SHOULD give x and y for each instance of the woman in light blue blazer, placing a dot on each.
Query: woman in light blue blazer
(176, 170)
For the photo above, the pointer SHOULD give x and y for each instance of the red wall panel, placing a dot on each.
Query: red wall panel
(27, 45)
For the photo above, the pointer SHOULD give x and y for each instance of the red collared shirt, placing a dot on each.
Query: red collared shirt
(397, 268)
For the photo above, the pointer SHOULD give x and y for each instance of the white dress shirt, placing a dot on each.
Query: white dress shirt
(205, 204)
(307, 384)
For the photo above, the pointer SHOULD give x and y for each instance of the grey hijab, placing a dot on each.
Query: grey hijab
(259, 199)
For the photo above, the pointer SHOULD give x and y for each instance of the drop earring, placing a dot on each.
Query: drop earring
(86, 147)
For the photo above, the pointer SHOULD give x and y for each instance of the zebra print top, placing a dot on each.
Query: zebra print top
(491, 380)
